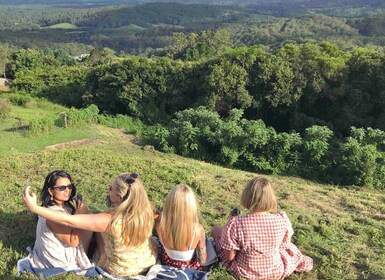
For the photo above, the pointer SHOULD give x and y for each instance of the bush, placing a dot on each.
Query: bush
(158, 136)
(122, 121)
(5, 108)
(19, 99)
(362, 159)
(316, 152)
(41, 125)
(83, 116)
(251, 145)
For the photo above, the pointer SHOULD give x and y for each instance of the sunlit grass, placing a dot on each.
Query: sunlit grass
(14, 137)
(4, 89)
(63, 25)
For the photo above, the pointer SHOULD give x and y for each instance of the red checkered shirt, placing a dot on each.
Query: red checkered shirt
(263, 246)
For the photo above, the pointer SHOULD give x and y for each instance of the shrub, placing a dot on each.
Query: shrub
(158, 136)
(20, 99)
(361, 160)
(5, 108)
(316, 152)
(83, 116)
(122, 121)
(41, 125)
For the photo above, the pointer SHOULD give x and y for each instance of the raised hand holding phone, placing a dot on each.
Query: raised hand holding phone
(81, 208)
(29, 198)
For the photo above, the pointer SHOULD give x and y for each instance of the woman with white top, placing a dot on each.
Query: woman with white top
(56, 245)
(181, 235)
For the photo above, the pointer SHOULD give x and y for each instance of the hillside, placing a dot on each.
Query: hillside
(342, 229)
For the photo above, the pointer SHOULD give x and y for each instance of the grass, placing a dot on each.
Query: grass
(342, 229)
(14, 138)
(63, 25)
(4, 89)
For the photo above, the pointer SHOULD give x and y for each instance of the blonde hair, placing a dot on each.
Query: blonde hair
(179, 216)
(258, 196)
(135, 211)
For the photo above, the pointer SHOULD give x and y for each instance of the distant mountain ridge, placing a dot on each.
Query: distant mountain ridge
(303, 3)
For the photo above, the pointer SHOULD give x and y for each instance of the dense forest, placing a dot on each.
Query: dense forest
(237, 85)
(312, 110)
(148, 28)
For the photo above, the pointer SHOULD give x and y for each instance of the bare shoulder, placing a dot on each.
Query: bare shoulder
(201, 228)
(200, 236)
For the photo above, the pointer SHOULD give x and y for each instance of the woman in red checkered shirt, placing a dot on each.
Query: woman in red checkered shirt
(258, 245)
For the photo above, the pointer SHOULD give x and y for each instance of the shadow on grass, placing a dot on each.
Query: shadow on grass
(17, 232)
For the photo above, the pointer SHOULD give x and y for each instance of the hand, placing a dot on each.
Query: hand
(81, 208)
(157, 215)
(29, 199)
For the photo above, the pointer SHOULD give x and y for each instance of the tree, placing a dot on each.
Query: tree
(227, 83)
(4, 53)
(194, 46)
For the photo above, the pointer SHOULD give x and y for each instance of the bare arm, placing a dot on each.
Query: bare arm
(229, 254)
(67, 235)
(201, 248)
(91, 222)
(71, 236)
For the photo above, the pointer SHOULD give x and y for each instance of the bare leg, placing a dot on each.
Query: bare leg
(99, 242)
(85, 236)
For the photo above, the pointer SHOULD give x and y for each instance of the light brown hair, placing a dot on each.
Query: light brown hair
(258, 196)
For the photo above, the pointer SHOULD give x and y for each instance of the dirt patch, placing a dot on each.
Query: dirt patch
(73, 143)
(5, 82)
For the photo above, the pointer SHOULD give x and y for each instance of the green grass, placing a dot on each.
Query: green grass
(63, 25)
(342, 229)
(14, 139)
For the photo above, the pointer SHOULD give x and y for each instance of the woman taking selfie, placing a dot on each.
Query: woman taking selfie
(125, 228)
(58, 246)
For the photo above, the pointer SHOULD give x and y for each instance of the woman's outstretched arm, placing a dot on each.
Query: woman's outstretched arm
(91, 222)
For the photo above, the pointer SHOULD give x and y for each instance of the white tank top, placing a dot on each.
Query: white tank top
(50, 252)
(182, 255)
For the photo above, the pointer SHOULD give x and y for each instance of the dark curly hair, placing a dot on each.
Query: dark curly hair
(50, 182)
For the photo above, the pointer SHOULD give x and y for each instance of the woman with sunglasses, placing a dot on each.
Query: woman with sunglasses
(58, 246)
(125, 228)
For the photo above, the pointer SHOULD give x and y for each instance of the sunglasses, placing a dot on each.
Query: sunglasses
(62, 188)
(129, 181)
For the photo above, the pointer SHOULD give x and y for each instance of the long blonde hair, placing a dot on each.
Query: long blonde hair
(179, 217)
(135, 211)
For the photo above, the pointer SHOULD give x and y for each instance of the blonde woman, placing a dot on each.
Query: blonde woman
(125, 229)
(181, 235)
(258, 245)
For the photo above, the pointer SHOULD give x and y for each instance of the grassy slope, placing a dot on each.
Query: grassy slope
(343, 230)
(15, 142)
